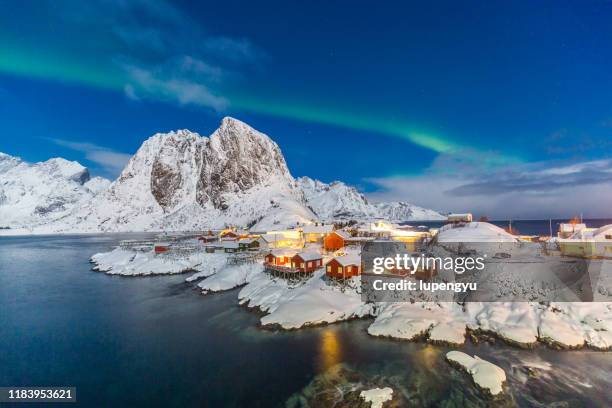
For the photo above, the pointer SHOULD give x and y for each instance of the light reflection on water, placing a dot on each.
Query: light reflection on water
(61, 323)
(330, 352)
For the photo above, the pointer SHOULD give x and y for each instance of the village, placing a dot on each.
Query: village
(295, 254)
(312, 275)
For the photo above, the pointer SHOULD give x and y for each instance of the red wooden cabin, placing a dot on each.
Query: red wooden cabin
(229, 235)
(306, 261)
(280, 258)
(335, 240)
(161, 248)
(343, 267)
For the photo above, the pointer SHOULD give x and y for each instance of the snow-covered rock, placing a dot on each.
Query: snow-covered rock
(474, 232)
(311, 303)
(34, 194)
(487, 376)
(337, 201)
(523, 324)
(377, 396)
(231, 276)
(135, 263)
(439, 322)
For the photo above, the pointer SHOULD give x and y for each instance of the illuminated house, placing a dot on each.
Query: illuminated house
(279, 257)
(566, 230)
(335, 240)
(588, 243)
(316, 232)
(228, 235)
(291, 262)
(283, 239)
(307, 261)
(343, 267)
(459, 218)
(251, 244)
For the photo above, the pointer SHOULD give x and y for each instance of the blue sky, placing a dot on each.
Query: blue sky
(452, 106)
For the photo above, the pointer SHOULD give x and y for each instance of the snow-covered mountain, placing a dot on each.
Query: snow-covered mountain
(181, 181)
(337, 200)
(32, 194)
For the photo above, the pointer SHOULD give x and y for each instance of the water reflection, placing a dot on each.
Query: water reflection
(330, 349)
(428, 356)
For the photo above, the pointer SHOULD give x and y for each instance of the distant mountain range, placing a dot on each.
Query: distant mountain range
(182, 181)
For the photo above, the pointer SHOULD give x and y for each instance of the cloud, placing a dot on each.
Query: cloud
(164, 84)
(111, 161)
(162, 53)
(534, 190)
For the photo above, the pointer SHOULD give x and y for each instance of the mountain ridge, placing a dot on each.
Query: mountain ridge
(181, 180)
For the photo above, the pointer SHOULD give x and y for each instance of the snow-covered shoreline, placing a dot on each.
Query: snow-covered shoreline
(318, 301)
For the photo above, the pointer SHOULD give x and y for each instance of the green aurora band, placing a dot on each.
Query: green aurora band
(110, 77)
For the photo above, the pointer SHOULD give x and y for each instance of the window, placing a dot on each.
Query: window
(328, 268)
(608, 236)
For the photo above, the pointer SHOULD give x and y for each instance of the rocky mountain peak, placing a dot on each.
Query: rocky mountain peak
(8, 162)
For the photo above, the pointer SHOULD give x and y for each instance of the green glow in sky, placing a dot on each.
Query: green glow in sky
(39, 65)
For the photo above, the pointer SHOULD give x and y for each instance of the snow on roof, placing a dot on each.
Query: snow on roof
(361, 238)
(606, 229)
(309, 255)
(229, 244)
(342, 233)
(591, 233)
(272, 236)
(282, 252)
(460, 215)
(247, 240)
(569, 227)
(318, 229)
(474, 232)
(350, 259)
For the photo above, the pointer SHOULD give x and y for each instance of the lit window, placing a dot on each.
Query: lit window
(328, 268)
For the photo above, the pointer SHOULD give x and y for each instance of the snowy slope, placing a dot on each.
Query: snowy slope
(337, 200)
(183, 181)
(32, 194)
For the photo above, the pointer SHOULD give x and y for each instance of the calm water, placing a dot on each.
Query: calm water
(157, 342)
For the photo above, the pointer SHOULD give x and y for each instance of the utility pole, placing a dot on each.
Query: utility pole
(550, 226)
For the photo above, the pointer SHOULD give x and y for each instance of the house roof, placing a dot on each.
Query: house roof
(318, 229)
(277, 237)
(309, 255)
(230, 244)
(588, 233)
(247, 240)
(350, 259)
(342, 233)
(282, 252)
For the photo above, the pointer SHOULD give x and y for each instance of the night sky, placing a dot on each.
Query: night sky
(501, 108)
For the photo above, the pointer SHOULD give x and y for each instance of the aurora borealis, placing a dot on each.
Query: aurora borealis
(400, 90)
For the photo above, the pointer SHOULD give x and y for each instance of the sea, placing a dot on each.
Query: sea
(158, 342)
